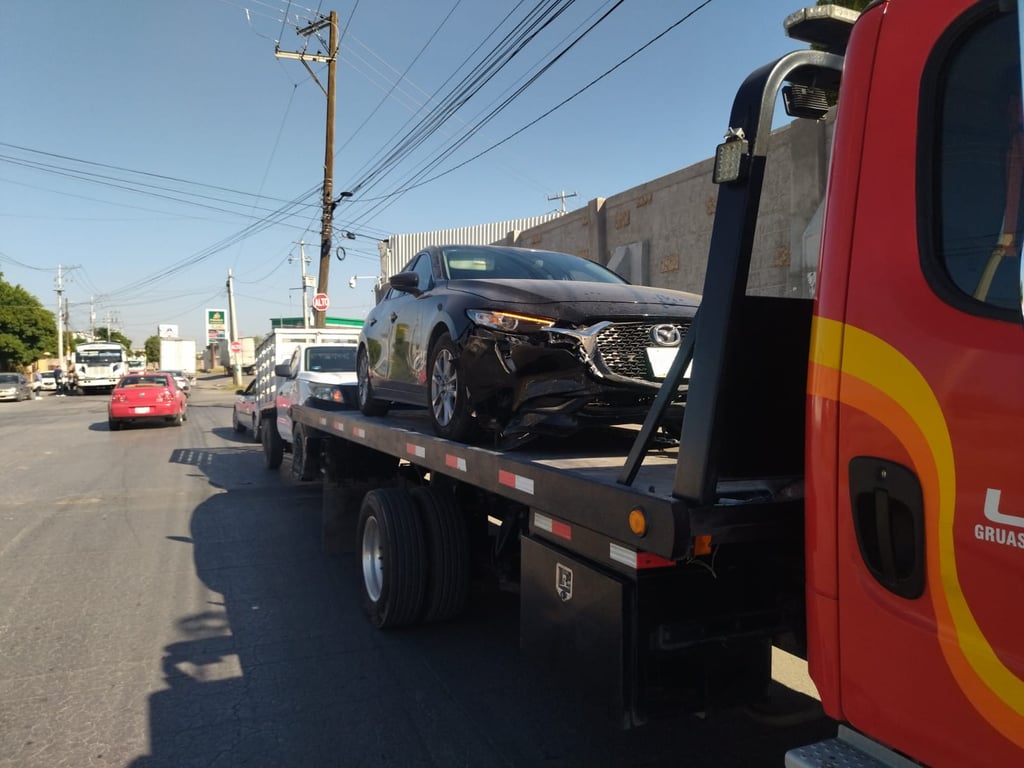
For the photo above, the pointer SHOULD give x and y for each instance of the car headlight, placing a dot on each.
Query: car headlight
(510, 322)
(328, 392)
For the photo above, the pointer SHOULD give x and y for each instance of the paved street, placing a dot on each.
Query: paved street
(164, 602)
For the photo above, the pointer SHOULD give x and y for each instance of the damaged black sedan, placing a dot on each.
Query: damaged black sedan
(518, 342)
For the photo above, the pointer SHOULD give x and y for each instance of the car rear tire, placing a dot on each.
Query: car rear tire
(273, 446)
(364, 389)
(392, 558)
(450, 411)
(113, 425)
(255, 430)
(447, 544)
(178, 419)
(235, 423)
(305, 458)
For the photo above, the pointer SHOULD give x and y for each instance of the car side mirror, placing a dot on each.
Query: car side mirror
(283, 369)
(409, 282)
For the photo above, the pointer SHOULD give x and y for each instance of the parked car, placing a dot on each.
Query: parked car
(147, 397)
(519, 342)
(47, 381)
(14, 386)
(244, 414)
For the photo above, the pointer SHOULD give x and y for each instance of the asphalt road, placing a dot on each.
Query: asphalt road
(163, 602)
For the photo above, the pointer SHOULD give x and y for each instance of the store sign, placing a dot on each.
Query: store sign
(216, 325)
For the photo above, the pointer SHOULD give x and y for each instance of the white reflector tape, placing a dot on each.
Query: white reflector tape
(554, 527)
(622, 555)
(455, 462)
(339, 426)
(359, 432)
(415, 450)
(513, 480)
(322, 421)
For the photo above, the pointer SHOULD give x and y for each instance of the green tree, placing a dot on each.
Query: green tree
(28, 331)
(152, 346)
(109, 334)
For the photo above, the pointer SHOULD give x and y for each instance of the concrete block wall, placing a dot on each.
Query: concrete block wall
(671, 218)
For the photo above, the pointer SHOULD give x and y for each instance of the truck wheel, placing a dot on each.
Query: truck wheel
(305, 454)
(447, 544)
(392, 557)
(364, 390)
(273, 446)
(450, 411)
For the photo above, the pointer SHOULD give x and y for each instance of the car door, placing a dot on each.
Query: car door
(407, 356)
(929, 521)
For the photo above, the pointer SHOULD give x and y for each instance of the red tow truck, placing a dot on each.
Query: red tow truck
(863, 504)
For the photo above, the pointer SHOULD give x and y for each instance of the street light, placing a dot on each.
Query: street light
(352, 280)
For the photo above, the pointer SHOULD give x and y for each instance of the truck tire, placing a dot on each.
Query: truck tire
(450, 409)
(305, 454)
(392, 558)
(447, 545)
(273, 446)
(364, 389)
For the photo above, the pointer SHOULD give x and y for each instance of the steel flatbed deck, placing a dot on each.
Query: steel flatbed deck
(572, 484)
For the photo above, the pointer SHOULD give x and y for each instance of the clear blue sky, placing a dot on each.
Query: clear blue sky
(149, 147)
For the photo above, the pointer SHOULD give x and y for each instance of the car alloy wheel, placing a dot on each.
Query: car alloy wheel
(449, 399)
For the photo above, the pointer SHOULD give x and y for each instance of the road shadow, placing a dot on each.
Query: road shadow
(281, 668)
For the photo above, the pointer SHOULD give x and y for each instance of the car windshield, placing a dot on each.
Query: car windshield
(331, 360)
(469, 263)
(8, 378)
(144, 381)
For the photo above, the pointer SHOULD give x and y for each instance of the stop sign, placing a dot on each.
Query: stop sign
(321, 302)
(236, 347)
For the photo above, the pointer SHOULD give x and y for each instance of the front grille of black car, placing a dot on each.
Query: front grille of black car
(622, 347)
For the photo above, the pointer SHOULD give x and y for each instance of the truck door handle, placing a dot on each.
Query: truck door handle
(394, 316)
(888, 518)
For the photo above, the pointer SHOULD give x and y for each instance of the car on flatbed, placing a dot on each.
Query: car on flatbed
(518, 342)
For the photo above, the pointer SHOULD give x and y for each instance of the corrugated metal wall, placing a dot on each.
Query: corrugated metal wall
(396, 251)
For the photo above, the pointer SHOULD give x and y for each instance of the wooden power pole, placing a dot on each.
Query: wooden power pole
(327, 220)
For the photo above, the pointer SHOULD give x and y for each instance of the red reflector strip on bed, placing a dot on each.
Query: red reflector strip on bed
(513, 480)
(455, 462)
(545, 523)
(415, 450)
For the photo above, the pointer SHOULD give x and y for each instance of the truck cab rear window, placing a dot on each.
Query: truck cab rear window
(978, 163)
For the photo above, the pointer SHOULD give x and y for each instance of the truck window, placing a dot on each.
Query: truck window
(337, 360)
(976, 161)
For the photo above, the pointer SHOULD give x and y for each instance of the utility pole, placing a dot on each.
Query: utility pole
(327, 222)
(236, 369)
(561, 196)
(60, 317)
(306, 282)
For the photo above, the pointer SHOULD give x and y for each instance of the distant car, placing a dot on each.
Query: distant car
(244, 414)
(147, 397)
(519, 342)
(14, 386)
(47, 382)
(183, 381)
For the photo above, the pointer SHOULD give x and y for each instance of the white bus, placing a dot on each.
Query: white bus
(98, 365)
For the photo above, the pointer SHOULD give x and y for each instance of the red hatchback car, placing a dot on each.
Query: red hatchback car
(146, 396)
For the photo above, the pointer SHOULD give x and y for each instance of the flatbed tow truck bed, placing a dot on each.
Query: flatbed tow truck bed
(572, 485)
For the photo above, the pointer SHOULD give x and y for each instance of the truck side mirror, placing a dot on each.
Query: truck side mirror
(283, 369)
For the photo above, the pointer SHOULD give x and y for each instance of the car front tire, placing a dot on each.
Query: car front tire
(450, 411)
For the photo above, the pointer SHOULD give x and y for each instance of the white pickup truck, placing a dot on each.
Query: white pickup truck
(323, 374)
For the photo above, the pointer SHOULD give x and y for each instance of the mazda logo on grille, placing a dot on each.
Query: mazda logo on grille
(666, 335)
